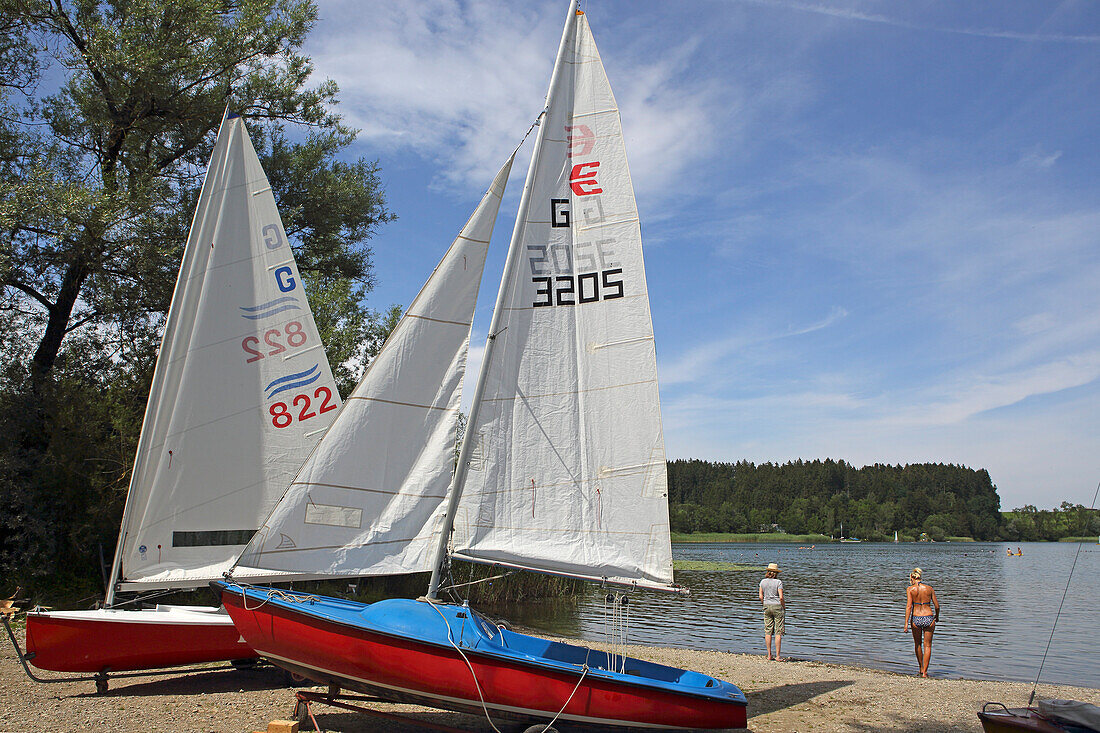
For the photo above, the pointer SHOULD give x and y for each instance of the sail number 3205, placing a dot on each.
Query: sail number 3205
(574, 274)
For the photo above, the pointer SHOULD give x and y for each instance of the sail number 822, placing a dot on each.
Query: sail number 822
(283, 417)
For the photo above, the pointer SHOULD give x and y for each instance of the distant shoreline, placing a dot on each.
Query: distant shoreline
(820, 539)
(682, 537)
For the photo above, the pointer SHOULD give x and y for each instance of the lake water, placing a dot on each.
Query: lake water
(846, 604)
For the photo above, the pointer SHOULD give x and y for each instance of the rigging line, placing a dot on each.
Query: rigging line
(143, 599)
(1077, 554)
(584, 671)
(477, 686)
(475, 582)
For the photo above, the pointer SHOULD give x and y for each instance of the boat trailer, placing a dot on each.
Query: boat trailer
(303, 711)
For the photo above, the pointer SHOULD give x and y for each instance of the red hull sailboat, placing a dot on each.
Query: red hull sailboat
(562, 469)
(218, 445)
(446, 656)
(114, 640)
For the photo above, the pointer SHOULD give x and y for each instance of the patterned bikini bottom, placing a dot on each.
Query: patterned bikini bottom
(922, 622)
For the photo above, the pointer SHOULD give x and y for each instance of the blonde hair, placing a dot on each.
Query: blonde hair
(917, 573)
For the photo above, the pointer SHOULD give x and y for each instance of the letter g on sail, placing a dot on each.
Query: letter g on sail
(273, 238)
(284, 278)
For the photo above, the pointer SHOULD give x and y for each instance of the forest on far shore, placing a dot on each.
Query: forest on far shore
(834, 498)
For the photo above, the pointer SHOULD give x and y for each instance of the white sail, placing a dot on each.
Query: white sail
(242, 390)
(367, 502)
(568, 473)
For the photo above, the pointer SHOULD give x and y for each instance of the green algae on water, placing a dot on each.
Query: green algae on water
(714, 566)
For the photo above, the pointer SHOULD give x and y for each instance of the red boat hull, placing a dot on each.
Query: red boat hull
(407, 670)
(116, 641)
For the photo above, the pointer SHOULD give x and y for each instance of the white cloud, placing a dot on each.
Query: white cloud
(849, 13)
(460, 83)
(704, 360)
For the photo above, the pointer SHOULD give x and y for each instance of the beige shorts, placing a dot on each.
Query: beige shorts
(773, 620)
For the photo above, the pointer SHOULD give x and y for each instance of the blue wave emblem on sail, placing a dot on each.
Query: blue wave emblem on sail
(293, 381)
(270, 308)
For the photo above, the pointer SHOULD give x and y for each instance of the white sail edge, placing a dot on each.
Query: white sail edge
(162, 364)
(632, 583)
(445, 540)
(383, 469)
(563, 444)
(181, 533)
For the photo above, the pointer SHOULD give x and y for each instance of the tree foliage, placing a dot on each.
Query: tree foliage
(1030, 524)
(108, 114)
(819, 496)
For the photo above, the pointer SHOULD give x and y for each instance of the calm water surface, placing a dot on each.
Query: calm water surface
(846, 604)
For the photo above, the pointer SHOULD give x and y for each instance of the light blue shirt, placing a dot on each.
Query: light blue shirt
(771, 588)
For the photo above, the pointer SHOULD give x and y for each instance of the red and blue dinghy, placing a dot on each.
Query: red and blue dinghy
(448, 656)
(562, 470)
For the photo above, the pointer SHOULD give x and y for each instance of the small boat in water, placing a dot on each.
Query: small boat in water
(562, 469)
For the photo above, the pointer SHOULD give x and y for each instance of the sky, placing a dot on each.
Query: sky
(871, 229)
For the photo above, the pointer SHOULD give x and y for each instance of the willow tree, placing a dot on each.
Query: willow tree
(104, 140)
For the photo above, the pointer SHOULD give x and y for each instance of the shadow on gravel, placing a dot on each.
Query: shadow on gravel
(201, 683)
(908, 725)
(771, 699)
(349, 722)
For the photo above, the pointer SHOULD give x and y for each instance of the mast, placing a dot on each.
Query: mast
(116, 564)
(517, 233)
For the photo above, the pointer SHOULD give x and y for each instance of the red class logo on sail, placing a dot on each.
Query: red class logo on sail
(584, 271)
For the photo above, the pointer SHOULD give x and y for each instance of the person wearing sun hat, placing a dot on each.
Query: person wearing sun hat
(771, 595)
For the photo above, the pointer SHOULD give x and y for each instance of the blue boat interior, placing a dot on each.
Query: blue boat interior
(452, 625)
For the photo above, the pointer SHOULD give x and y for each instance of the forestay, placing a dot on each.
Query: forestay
(568, 472)
(242, 390)
(367, 502)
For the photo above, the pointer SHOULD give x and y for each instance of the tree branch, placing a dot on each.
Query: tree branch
(28, 290)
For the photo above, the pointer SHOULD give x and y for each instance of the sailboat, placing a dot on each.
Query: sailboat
(847, 539)
(562, 468)
(240, 395)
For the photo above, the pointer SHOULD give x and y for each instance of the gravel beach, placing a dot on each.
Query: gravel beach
(783, 696)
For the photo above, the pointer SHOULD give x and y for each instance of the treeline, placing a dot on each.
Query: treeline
(1029, 524)
(803, 497)
(104, 135)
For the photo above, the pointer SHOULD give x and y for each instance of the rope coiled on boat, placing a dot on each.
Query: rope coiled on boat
(477, 685)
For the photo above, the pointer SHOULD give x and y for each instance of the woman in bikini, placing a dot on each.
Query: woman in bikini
(920, 600)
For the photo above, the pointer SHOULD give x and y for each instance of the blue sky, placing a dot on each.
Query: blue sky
(871, 229)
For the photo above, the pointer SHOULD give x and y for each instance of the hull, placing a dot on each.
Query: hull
(111, 640)
(402, 650)
(1014, 720)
